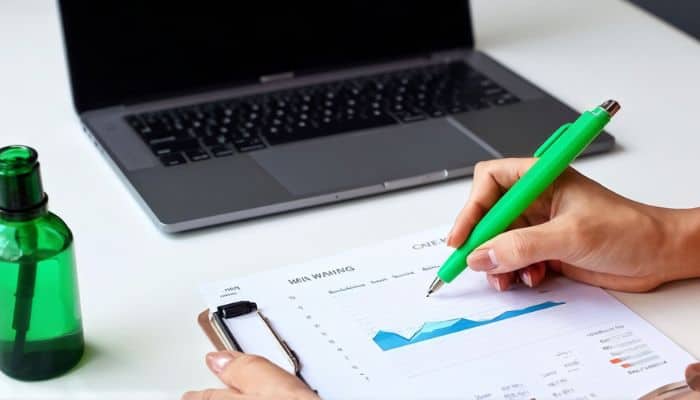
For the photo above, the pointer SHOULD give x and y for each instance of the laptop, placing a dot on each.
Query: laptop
(215, 112)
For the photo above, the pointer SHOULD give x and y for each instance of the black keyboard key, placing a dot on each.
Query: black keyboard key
(246, 143)
(246, 147)
(410, 116)
(197, 155)
(221, 151)
(437, 113)
(167, 138)
(176, 146)
(494, 91)
(198, 131)
(457, 108)
(170, 160)
(478, 104)
(216, 140)
(505, 99)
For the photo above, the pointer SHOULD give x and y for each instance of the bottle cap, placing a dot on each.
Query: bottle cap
(20, 181)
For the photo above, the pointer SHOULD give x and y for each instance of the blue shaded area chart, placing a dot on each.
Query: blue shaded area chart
(431, 330)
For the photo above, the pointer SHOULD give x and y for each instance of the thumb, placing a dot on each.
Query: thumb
(251, 374)
(519, 248)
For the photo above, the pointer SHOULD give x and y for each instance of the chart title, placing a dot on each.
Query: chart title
(432, 243)
(321, 275)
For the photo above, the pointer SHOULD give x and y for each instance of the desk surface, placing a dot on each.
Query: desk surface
(139, 287)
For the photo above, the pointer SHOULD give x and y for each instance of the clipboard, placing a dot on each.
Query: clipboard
(223, 327)
(220, 327)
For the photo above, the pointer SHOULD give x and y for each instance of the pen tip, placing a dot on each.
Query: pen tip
(435, 286)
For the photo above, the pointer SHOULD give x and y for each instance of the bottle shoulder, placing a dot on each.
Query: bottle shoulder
(54, 228)
(47, 234)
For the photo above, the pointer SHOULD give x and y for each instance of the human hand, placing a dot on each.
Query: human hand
(692, 377)
(678, 392)
(576, 227)
(251, 377)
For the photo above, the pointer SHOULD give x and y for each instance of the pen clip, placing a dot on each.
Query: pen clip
(550, 140)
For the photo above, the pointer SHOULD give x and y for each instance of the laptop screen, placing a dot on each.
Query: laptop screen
(126, 51)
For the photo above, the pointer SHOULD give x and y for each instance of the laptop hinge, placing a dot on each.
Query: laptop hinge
(277, 77)
(448, 55)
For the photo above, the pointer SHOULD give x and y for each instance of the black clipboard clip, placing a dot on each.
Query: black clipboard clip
(218, 331)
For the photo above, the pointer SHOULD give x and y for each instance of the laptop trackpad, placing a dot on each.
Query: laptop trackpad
(372, 157)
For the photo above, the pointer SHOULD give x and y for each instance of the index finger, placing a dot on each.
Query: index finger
(491, 179)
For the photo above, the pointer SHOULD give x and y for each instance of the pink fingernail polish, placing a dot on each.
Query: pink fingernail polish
(492, 257)
(218, 361)
(499, 285)
(482, 260)
(526, 277)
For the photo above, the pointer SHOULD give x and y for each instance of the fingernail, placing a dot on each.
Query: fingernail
(526, 277)
(482, 260)
(499, 285)
(218, 361)
(692, 376)
(449, 237)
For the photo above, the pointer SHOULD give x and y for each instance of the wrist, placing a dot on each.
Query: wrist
(679, 256)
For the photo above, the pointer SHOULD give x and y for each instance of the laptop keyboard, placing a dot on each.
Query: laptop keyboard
(224, 127)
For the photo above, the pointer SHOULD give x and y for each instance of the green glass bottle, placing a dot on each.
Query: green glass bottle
(41, 332)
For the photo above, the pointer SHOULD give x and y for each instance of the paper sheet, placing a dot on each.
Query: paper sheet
(363, 328)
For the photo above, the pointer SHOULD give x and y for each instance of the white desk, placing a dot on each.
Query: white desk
(139, 287)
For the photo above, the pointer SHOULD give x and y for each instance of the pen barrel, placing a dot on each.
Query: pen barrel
(552, 163)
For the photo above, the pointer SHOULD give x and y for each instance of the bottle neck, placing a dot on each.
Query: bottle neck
(28, 214)
(22, 196)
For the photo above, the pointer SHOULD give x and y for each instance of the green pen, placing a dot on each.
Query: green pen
(555, 155)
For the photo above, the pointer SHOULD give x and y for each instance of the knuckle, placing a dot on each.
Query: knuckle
(250, 360)
(521, 247)
(480, 168)
(208, 394)
(583, 238)
(577, 229)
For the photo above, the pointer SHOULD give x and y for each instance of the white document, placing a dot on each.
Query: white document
(362, 328)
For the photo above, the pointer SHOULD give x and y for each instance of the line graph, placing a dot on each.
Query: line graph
(388, 340)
